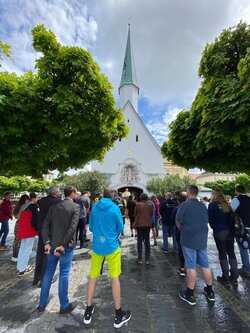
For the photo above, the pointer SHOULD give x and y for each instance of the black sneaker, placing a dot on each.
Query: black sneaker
(223, 281)
(190, 299)
(209, 294)
(122, 319)
(41, 308)
(69, 309)
(182, 272)
(88, 315)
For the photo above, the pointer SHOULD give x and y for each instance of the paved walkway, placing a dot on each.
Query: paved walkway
(150, 292)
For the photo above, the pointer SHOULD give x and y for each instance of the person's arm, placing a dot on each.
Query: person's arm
(235, 204)
(180, 216)
(46, 227)
(91, 221)
(211, 215)
(72, 227)
(34, 218)
(120, 225)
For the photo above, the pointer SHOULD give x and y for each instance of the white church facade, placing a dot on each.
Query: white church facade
(135, 159)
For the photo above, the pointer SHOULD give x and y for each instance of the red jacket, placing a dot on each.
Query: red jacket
(6, 210)
(25, 228)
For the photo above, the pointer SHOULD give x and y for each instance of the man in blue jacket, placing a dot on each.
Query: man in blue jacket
(106, 224)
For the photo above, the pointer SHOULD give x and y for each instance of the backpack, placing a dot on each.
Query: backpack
(238, 230)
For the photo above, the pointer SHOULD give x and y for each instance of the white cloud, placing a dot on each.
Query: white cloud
(160, 128)
(69, 20)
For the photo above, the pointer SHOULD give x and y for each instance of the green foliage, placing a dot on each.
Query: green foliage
(22, 184)
(168, 183)
(215, 133)
(93, 181)
(244, 179)
(4, 50)
(226, 186)
(62, 117)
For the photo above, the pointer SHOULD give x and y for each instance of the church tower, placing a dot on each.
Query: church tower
(129, 88)
(137, 158)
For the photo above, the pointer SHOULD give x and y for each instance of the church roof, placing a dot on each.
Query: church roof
(128, 71)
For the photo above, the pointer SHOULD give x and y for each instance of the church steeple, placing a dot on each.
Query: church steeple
(129, 88)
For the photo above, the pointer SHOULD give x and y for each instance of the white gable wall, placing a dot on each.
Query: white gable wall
(145, 151)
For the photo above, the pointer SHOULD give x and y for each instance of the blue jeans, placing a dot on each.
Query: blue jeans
(65, 264)
(24, 253)
(244, 253)
(4, 231)
(165, 229)
(193, 257)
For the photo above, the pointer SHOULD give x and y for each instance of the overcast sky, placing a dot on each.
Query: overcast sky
(168, 39)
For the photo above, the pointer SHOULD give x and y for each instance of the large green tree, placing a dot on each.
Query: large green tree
(18, 184)
(62, 116)
(93, 181)
(168, 183)
(215, 133)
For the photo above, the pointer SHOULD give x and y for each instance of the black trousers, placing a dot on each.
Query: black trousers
(225, 245)
(143, 237)
(41, 262)
(180, 253)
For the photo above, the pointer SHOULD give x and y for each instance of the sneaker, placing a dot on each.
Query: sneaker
(86, 239)
(242, 272)
(182, 272)
(41, 308)
(3, 248)
(122, 319)
(223, 281)
(83, 246)
(69, 309)
(139, 261)
(147, 262)
(27, 271)
(164, 250)
(88, 315)
(190, 299)
(209, 294)
(13, 259)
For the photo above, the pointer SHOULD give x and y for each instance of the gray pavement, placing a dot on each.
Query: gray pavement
(150, 292)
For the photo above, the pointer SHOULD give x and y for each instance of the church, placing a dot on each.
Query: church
(135, 159)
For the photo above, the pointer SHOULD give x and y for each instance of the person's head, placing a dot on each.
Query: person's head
(54, 191)
(7, 195)
(180, 198)
(120, 194)
(100, 196)
(130, 197)
(144, 197)
(70, 192)
(33, 197)
(87, 194)
(205, 199)
(219, 197)
(168, 195)
(78, 194)
(23, 199)
(109, 193)
(154, 197)
(126, 189)
(192, 191)
(240, 189)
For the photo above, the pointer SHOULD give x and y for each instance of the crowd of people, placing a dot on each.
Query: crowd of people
(60, 224)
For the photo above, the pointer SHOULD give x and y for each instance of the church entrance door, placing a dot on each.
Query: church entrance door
(133, 190)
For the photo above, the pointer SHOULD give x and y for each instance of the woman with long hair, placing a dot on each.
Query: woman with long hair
(17, 211)
(219, 220)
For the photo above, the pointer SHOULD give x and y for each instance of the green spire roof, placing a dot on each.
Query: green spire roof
(128, 72)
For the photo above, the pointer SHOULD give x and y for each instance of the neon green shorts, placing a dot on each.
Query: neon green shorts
(113, 261)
